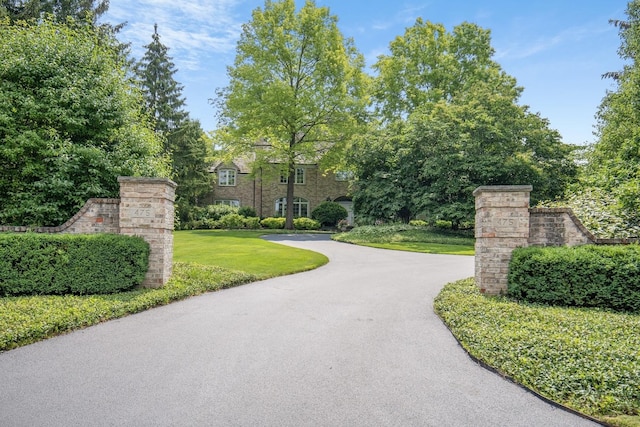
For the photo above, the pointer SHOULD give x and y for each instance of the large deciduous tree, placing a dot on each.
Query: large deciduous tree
(70, 122)
(184, 140)
(297, 84)
(450, 123)
(614, 161)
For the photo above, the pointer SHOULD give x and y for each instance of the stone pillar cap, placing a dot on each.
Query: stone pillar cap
(503, 189)
(146, 180)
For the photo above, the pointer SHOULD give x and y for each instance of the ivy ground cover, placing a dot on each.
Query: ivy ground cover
(585, 359)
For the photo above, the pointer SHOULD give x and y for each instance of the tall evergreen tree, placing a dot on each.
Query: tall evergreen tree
(162, 92)
(184, 139)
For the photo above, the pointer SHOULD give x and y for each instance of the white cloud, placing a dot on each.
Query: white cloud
(524, 47)
(190, 29)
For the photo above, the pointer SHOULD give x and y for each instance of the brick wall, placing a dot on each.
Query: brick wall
(261, 190)
(96, 216)
(504, 221)
(502, 224)
(145, 209)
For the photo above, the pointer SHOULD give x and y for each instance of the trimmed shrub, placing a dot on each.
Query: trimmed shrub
(252, 222)
(303, 223)
(273, 223)
(329, 213)
(418, 223)
(58, 264)
(582, 276)
(247, 212)
(231, 221)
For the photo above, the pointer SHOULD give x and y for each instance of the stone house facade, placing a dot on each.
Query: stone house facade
(265, 189)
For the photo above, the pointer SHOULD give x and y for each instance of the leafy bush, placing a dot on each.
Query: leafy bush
(252, 222)
(273, 223)
(207, 217)
(443, 225)
(36, 264)
(329, 213)
(582, 276)
(231, 221)
(305, 224)
(418, 223)
(247, 212)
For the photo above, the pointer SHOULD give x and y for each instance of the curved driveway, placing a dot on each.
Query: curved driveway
(353, 343)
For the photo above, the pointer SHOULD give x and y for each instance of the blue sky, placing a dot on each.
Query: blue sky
(556, 49)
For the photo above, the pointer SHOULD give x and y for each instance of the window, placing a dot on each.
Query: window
(300, 176)
(227, 177)
(232, 203)
(300, 207)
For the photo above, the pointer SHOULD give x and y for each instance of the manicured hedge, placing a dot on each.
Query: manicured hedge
(58, 264)
(329, 213)
(581, 276)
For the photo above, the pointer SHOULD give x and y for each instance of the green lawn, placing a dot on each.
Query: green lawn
(244, 251)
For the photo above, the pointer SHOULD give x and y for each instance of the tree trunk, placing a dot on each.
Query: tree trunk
(290, 185)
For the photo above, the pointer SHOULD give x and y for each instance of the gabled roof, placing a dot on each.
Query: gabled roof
(242, 165)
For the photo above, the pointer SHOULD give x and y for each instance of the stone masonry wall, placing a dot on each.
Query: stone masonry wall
(96, 216)
(504, 222)
(260, 191)
(557, 227)
(145, 209)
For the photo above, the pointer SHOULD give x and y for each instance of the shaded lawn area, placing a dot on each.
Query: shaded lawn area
(404, 237)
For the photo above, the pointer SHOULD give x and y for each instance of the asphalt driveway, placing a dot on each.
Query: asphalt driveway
(353, 343)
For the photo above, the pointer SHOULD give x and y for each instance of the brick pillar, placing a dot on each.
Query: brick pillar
(502, 224)
(146, 210)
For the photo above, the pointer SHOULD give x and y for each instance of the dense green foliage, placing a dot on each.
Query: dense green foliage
(70, 122)
(80, 10)
(304, 223)
(297, 85)
(184, 140)
(273, 223)
(329, 213)
(582, 276)
(28, 319)
(450, 122)
(586, 359)
(614, 160)
(58, 264)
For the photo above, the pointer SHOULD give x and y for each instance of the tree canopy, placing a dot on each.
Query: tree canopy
(79, 10)
(297, 84)
(450, 122)
(70, 122)
(614, 161)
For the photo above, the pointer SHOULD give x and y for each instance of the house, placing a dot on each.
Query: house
(265, 189)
